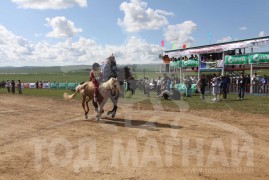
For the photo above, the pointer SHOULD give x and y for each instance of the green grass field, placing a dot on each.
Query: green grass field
(63, 77)
(57, 77)
(251, 104)
(79, 73)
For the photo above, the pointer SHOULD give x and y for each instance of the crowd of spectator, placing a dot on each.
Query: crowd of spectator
(11, 86)
(218, 86)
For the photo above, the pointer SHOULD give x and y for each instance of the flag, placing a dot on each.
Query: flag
(174, 46)
(162, 43)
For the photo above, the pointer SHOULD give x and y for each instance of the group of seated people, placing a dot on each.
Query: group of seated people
(184, 58)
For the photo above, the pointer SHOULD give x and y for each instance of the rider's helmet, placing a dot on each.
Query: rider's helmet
(95, 66)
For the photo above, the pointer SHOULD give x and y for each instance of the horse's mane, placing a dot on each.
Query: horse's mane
(111, 58)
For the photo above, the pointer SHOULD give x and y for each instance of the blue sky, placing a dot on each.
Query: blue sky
(66, 32)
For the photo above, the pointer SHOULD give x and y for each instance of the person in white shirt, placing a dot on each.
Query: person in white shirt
(215, 85)
(8, 85)
(159, 85)
(188, 83)
(255, 83)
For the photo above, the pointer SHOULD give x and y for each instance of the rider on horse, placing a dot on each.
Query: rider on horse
(109, 68)
(95, 76)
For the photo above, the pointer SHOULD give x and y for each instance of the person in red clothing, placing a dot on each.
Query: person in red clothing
(95, 76)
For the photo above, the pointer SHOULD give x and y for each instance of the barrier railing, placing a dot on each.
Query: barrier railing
(54, 85)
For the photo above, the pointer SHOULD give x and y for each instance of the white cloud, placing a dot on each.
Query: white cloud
(138, 51)
(49, 4)
(243, 28)
(139, 17)
(62, 27)
(17, 51)
(180, 34)
(13, 48)
(261, 34)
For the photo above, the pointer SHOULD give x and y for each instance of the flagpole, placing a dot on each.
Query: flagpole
(251, 74)
(223, 70)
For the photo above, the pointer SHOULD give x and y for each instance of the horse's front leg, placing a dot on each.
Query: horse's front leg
(101, 108)
(114, 99)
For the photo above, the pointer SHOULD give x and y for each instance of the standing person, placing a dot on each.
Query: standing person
(13, 87)
(201, 85)
(19, 87)
(241, 86)
(264, 83)
(8, 85)
(37, 85)
(255, 83)
(159, 85)
(95, 76)
(215, 85)
(132, 85)
(224, 85)
(168, 83)
(146, 86)
(248, 83)
(188, 83)
(41, 84)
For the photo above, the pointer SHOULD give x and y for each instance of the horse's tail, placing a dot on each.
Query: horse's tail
(67, 96)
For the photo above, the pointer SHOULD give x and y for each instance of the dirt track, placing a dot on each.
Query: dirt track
(42, 138)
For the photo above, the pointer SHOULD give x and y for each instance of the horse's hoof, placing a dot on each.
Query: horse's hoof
(109, 112)
(97, 118)
(86, 116)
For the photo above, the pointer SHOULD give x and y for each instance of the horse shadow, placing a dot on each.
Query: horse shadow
(139, 124)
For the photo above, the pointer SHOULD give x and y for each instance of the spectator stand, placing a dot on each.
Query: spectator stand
(211, 57)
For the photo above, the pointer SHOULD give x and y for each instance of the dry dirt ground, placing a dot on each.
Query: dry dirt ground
(44, 138)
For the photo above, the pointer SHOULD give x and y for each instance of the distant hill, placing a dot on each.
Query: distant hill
(45, 70)
(70, 69)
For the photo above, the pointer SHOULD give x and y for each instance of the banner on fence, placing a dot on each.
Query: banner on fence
(62, 85)
(190, 63)
(46, 85)
(25, 85)
(32, 85)
(71, 85)
(259, 58)
(238, 59)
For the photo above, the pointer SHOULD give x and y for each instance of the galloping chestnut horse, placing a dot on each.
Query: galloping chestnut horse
(109, 89)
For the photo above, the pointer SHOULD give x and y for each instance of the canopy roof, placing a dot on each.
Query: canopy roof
(220, 47)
